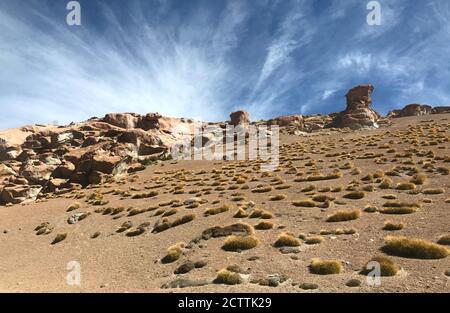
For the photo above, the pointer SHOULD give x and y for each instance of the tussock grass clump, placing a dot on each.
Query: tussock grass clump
(214, 211)
(264, 225)
(413, 248)
(419, 179)
(308, 188)
(227, 277)
(258, 213)
(73, 206)
(262, 189)
(387, 266)
(406, 186)
(398, 210)
(314, 240)
(325, 267)
(344, 215)
(444, 240)
(237, 243)
(183, 220)
(322, 198)
(370, 208)
(59, 238)
(355, 195)
(433, 191)
(286, 240)
(173, 253)
(277, 197)
(399, 204)
(319, 177)
(144, 195)
(307, 203)
(392, 226)
(386, 183)
(240, 213)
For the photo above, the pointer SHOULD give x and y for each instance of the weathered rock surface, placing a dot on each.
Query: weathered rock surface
(358, 114)
(239, 118)
(418, 110)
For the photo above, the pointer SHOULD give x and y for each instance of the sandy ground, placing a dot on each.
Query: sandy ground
(114, 262)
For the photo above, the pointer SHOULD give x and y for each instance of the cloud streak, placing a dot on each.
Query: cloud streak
(204, 59)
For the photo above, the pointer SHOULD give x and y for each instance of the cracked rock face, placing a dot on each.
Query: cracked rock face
(358, 114)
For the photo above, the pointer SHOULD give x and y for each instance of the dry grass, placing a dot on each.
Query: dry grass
(173, 253)
(277, 197)
(144, 195)
(387, 266)
(262, 189)
(406, 186)
(314, 240)
(433, 191)
(344, 215)
(287, 240)
(214, 211)
(398, 210)
(325, 267)
(393, 226)
(386, 183)
(238, 243)
(370, 208)
(307, 203)
(73, 206)
(414, 248)
(419, 179)
(264, 225)
(227, 277)
(355, 195)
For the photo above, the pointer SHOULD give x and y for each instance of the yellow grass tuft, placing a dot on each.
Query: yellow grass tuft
(344, 215)
(73, 206)
(314, 240)
(355, 195)
(392, 226)
(444, 240)
(325, 267)
(387, 266)
(236, 243)
(264, 225)
(173, 253)
(414, 248)
(287, 240)
(433, 191)
(227, 277)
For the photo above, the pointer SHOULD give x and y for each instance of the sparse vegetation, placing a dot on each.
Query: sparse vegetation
(287, 240)
(414, 248)
(355, 195)
(344, 215)
(173, 253)
(227, 277)
(387, 266)
(392, 226)
(237, 243)
(325, 267)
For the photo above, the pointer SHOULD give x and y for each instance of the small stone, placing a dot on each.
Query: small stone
(353, 283)
(308, 286)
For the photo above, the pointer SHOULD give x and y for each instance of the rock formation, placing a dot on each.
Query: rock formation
(418, 110)
(358, 114)
(239, 118)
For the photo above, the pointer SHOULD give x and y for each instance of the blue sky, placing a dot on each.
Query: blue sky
(206, 58)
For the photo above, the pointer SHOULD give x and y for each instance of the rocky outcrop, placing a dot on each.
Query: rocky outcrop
(287, 120)
(239, 118)
(358, 114)
(48, 158)
(418, 110)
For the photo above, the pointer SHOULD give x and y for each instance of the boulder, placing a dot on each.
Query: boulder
(441, 110)
(287, 120)
(239, 118)
(18, 194)
(36, 171)
(122, 120)
(358, 114)
(412, 110)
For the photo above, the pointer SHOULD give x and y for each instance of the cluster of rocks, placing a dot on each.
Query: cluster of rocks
(43, 159)
(40, 159)
(418, 110)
